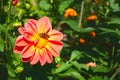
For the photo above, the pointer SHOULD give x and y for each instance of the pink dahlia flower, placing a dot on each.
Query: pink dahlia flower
(38, 42)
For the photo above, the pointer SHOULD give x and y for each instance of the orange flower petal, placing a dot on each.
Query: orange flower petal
(56, 44)
(42, 57)
(18, 49)
(55, 35)
(54, 48)
(48, 55)
(31, 26)
(44, 25)
(35, 57)
(21, 41)
(29, 36)
(28, 51)
(53, 51)
(21, 30)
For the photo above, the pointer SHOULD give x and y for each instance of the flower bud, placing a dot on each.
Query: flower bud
(57, 59)
(19, 69)
(14, 2)
(17, 24)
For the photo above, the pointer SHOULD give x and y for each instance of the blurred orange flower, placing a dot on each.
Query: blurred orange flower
(91, 17)
(93, 34)
(70, 12)
(82, 40)
(96, 1)
(58, 65)
(91, 64)
(38, 42)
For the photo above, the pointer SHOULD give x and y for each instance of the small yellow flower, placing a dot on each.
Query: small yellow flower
(70, 12)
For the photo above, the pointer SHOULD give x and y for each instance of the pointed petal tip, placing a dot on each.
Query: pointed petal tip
(21, 30)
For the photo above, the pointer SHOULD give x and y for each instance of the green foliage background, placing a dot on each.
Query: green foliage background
(104, 49)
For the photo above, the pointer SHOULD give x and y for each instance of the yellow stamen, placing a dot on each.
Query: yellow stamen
(43, 40)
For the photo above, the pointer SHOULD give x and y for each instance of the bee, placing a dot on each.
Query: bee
(44, 35)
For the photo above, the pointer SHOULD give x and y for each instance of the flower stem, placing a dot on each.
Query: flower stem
(1, 5)
(81, 13)
(9, 10)
(113, 76)
(7, 22)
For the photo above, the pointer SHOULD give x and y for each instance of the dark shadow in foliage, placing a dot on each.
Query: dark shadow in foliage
(36, 72)
(3, 73)
(3, 70)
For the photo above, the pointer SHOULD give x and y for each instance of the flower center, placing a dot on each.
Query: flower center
(43, 40)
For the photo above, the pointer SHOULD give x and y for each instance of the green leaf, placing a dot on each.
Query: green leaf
(100, 68)
(75, 54)
(76, 75)
(63, 67)
(44, 5)
(17, 59)
(66, 44)
(114, 21)
(12, 40)
(79, 66)
(106, 78)
(11, 71)
(99, 52)
(28, 78)
(65, 4)
(72, 24)
(1, 44)
(96, 78)
(88, 29)
(111, 3)
(102, 61)
(106, 30)
(72, 73)
(94, 58)
(114, 6)
(69, 32)
(2, 28)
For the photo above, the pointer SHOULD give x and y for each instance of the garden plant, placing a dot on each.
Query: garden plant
(59, 39)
